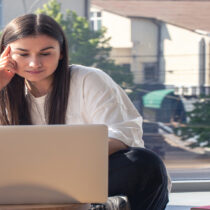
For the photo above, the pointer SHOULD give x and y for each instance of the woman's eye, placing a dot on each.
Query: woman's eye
(23, 55)
(45, 54)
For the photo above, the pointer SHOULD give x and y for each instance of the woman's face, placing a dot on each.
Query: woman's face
(36, 57)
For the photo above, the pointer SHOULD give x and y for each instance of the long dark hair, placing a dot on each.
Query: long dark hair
(14, 109)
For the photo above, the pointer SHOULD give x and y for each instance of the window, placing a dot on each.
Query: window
(150, 70)
(95, 20)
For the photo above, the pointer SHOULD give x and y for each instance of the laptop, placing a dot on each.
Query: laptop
(53, 164)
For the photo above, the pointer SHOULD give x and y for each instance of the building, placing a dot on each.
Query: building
(164, 42)
(10, 9)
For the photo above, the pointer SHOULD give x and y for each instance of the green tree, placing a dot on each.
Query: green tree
(87, 47)
(198, 125)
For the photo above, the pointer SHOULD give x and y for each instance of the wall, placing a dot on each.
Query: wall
(121, 55)
(185, 57)
(119, 32)
(118, 28)
(145, 46)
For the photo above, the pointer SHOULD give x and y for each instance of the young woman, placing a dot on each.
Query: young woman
(37, 86)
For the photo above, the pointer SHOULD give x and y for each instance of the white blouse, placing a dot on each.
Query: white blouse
(96, 99)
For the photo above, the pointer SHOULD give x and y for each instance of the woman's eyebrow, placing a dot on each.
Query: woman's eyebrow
(47, 48)
(25, 50)
(21, 49)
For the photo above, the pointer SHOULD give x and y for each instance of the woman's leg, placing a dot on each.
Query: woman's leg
(140, 175)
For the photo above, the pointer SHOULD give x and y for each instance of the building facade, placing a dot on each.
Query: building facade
(159, 52)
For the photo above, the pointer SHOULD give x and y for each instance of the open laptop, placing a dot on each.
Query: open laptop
(54, 164)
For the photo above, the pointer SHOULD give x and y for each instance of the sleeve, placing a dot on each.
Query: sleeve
(106, 103)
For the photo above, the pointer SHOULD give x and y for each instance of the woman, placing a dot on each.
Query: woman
(37, 86)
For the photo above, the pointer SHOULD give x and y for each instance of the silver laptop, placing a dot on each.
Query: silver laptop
(54, 164)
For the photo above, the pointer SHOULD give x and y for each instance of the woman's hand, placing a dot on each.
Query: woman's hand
(7, 67)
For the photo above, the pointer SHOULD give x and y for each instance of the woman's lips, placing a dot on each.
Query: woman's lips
(35, 71)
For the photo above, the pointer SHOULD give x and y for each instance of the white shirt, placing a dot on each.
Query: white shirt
(96, 99)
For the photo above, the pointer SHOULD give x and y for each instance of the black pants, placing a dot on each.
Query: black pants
(141, 176)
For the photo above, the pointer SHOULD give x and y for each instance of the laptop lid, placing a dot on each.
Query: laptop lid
(53, 164)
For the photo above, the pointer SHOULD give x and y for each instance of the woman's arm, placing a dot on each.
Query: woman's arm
(116, 145)
(104, 102)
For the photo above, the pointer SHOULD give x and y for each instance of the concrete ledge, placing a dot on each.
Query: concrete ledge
(191, 186)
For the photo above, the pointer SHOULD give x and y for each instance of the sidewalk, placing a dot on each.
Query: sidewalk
(183, 156)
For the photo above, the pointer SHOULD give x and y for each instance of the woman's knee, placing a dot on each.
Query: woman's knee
(148, 163)
(137, 173)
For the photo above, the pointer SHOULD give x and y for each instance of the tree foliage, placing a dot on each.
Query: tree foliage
(198, 126)
(86, 46)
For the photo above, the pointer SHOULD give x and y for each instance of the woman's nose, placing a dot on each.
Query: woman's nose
(35, 62)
